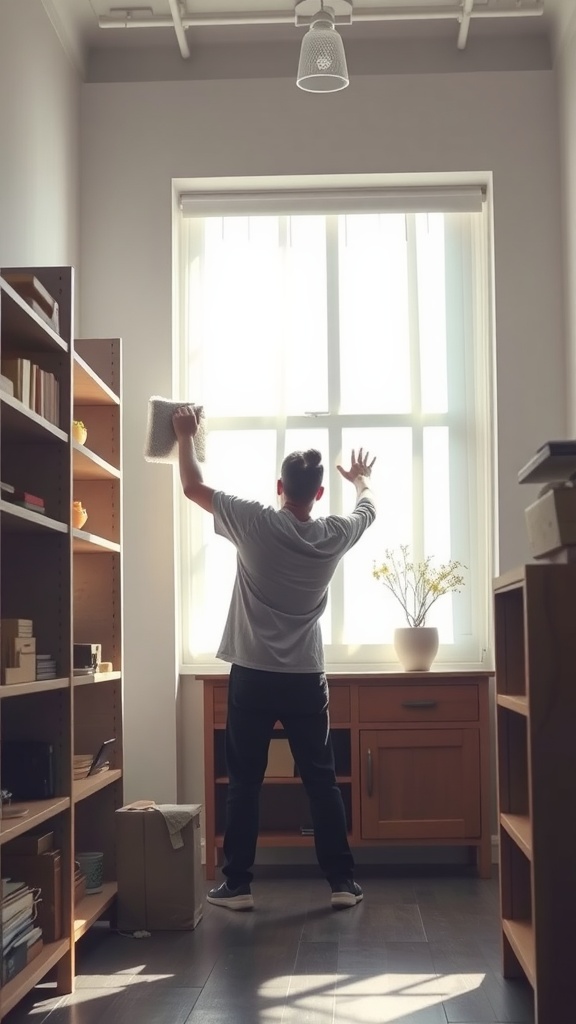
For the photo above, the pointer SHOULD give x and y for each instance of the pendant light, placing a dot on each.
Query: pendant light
(322, 66)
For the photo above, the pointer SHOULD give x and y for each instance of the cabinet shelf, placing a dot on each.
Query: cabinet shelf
(24, 328)
(38, 811)
(520, 935)
(18, 421)
(83, 788)
(519, 829)
(38, 686)
(21, 520)
(89, 543)
(91, 907)
(17, 988)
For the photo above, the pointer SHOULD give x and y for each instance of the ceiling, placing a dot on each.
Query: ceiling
(79, 22)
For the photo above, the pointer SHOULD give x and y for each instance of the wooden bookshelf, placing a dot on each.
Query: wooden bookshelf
(536, 709)
(68, 582)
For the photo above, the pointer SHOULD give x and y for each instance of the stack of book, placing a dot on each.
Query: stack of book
(21, 937)
(23, 498)
(37, 389)
(45, 666)
(18, 651)
(83, 766)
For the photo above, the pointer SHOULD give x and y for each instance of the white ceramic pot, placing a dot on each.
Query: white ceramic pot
(416, 647)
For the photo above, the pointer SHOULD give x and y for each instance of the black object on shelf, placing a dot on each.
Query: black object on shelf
(28, 769)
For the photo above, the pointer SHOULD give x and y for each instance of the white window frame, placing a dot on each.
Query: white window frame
(480, 442)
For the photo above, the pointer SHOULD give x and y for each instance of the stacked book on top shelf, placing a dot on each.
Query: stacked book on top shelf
(21, 937)
(37, 389)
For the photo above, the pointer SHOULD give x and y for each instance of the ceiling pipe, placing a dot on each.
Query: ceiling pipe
(465, 24)
(179, 28)
(287, 17)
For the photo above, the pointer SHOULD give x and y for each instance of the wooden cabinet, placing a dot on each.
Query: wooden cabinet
(536, 709)
(412, 762)
(67, 582)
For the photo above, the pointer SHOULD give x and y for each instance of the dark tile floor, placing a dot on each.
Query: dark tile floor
(420, 949)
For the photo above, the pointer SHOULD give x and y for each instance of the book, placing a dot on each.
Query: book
(554, 462)
(6, 384)
(15, 908)
(30, 843)
(32, 499)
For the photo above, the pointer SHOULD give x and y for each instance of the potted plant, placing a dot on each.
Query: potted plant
(416, 586)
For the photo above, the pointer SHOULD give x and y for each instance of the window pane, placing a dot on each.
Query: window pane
(305, 316)
(242, 316)
(369, 615)
(374, 322)
(432, 310)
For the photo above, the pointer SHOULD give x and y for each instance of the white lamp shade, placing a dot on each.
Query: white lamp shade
(322, 66)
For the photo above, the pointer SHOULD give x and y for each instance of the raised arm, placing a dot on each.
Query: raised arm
(359, 474)
(186, 421)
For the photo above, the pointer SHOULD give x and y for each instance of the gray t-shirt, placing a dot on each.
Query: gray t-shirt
(283, 570)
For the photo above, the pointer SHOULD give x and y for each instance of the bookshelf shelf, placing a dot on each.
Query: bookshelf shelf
(520, 935)
(83, 788)
(97, 677)
(519, 829)
(91, 907)
(16, 989)
(517, 704)
(19, 520)
(89, 389)
(89, 466)
(90, 544)
(39, 811)
(39, 686)
(20, 422)
(23, 327)
(48, 576)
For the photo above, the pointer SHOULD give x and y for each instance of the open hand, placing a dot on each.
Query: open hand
(358, 466)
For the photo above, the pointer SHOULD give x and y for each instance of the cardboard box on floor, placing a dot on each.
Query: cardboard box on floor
(159, 888)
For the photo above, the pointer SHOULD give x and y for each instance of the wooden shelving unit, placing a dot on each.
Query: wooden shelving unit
(68, 582)
(536, 710)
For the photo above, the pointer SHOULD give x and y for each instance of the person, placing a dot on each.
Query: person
(272, 640)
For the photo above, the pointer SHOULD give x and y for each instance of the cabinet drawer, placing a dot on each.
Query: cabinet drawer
(428, 703)
(339, 704)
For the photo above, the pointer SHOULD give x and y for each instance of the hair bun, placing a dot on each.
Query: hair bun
(312, 457)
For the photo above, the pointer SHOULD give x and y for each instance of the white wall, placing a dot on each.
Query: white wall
(567, 106)
(39, 141)
(137, 137)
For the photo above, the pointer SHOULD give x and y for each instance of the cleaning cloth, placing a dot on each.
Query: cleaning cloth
(161, 444)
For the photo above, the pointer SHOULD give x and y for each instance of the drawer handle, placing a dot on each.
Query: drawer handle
(369, 770)
(419, 703)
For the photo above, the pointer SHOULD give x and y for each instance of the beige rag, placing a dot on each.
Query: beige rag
(176, 819)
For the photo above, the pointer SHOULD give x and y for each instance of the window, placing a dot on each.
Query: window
(336, 331)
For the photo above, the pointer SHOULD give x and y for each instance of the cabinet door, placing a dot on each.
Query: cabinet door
(420, 783)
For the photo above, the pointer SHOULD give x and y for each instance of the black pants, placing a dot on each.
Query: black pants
(256, 701)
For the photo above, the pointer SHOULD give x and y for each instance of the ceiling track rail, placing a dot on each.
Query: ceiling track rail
(180, 19)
